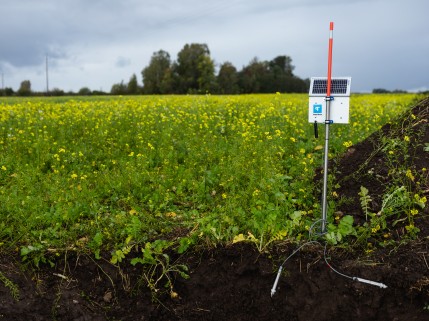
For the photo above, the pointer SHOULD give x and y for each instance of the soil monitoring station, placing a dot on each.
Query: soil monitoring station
(328, 104)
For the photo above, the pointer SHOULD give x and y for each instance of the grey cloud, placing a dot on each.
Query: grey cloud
(122, 62)
(75, 34)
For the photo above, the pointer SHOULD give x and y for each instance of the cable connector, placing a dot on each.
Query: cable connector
(380, 285)
(274, 288)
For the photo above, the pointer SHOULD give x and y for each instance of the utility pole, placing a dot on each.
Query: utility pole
(47, 78)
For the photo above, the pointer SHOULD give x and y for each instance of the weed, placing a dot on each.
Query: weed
(365, 201)
(337, 233)
(13, 288)
(159, 268)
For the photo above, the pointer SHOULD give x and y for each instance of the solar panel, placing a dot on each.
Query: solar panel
(340, 86)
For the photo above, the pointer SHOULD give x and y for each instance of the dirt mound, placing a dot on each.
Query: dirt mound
(234, 282)
(370, 162)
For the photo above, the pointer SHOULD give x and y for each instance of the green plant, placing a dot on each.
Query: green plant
(13, 288)
(119, 254)
(35, 254)
(365, 201)
(261, 243)
(337, 233)
(395, 203)
(96, 243)
(158, 266)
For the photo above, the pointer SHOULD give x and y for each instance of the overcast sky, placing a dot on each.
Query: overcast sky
(96, 43)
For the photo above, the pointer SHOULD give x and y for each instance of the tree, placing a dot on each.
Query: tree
(194, 70)
(84, 91)
(281, 65)
(206, 77)
(380, 91)
(227, 79)
(25, 88)
(270, 77)
(57, 92)
(252, 76)
(157, 76)
(6, 91)
(119, 89)
(133, 87)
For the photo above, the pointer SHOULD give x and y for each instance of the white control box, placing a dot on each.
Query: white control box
(339, 101)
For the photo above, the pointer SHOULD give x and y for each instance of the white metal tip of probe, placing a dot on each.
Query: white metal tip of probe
(380, 285)
(273, 289)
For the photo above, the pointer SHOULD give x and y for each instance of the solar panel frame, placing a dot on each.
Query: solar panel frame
(340, 86)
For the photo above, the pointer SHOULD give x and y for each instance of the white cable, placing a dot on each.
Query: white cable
(354, 278)
(274, 288)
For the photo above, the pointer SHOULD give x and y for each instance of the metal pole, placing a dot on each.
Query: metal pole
(325, 167)
(327, 123)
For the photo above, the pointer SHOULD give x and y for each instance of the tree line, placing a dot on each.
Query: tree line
(194, 72)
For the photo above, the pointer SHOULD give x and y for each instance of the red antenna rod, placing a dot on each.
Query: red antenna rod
(331, 40)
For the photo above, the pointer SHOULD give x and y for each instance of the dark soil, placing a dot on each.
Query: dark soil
(234, 282)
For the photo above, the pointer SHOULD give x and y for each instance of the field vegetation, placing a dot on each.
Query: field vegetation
(105, 176)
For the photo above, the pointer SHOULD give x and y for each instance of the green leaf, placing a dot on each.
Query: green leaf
(137, 260)
(184, 244)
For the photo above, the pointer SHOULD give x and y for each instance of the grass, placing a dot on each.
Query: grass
(107, 174)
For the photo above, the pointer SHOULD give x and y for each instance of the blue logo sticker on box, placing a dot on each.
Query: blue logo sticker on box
(317, 109)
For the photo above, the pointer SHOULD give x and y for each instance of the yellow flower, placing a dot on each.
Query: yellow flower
(171, 214)
(347, 144)
(224, 195)
(74, 176)
(3, 168)
(406, 138)
(375, 229)
(409, 174)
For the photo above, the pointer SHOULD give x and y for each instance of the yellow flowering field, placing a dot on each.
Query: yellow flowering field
(108, 173)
